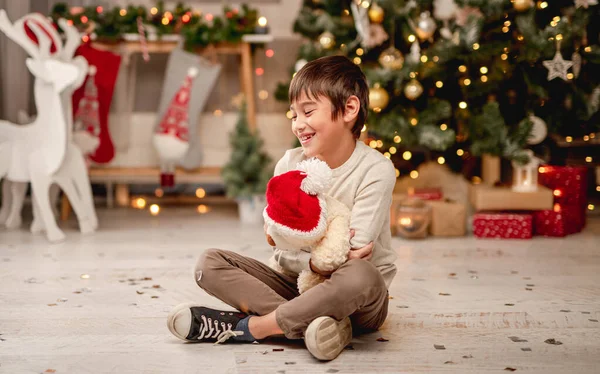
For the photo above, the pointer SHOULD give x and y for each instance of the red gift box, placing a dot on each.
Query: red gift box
(426, 193)
(568, 182)
(562, 221)
(503, 225)
(570, 190)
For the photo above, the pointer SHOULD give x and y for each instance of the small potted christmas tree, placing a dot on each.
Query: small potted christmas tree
(248, 170)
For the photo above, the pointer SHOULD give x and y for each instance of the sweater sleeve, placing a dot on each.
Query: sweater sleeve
(372, 203)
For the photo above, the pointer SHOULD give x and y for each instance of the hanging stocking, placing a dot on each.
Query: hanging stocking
(189, 155)
(107, 68)
(87, 117)
(171, 139)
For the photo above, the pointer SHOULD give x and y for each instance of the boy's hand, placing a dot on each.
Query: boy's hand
(318, 271)
(364, 253)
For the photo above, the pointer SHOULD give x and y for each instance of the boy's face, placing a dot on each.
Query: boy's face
(313, 125)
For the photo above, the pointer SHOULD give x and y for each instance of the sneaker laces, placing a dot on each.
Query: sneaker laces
(210, 328)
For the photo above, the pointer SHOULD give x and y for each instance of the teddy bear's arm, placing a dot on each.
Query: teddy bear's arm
(332, 250)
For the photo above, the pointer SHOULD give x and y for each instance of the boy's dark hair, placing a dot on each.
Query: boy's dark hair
(336, 78)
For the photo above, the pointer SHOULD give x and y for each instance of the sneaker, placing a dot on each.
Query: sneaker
(195, 323)
(325, 337)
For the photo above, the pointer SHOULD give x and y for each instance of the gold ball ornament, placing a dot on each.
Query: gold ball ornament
(522, 5)
(378, 97)
(376, 13)
(413, 89)
(391, 58)
(327, 40)
(426, 26)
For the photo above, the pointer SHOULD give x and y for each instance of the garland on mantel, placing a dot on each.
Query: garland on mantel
(197, 29)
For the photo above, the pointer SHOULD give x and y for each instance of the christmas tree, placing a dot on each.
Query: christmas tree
(248, 170)
(452, 79)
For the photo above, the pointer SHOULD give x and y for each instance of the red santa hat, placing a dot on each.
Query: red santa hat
(295, 203)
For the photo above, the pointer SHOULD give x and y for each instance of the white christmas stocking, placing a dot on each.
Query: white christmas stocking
(188, 83)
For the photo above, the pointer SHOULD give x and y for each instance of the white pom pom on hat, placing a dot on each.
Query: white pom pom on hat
(318, 176)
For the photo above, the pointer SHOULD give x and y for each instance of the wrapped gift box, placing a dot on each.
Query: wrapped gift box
(448, 218)
(568, 182)
(503, 225)
(569, 185)
(486, 198)
(558, 222)
(425, 193)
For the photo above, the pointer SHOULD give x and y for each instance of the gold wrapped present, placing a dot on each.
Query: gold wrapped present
(448, 218)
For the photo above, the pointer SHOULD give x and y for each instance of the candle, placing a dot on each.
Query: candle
(525, 177)
(413, 218)
(261, 27)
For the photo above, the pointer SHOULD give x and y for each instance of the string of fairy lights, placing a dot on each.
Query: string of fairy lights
(466, 79)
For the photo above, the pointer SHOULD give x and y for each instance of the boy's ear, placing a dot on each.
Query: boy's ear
(351, 109)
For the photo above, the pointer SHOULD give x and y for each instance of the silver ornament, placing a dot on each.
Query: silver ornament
(539, 131)
(362, 23)
(444, 10)
(300, 64)
(426, 26)
(557, 67)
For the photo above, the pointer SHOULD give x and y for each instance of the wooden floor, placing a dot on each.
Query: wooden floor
(98, 303)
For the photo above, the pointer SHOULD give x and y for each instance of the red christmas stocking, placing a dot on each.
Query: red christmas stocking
(86, 132)
(107, 68)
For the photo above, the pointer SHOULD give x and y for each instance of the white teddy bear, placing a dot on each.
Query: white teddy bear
(301, 216)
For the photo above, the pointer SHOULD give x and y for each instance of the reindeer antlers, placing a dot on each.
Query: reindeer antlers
(45, 34)
(43, 30)
(20, 38)
(73, 39)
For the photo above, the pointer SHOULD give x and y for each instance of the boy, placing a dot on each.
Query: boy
(329, 98)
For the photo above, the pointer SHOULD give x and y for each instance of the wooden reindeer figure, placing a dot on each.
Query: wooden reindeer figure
(40, 152)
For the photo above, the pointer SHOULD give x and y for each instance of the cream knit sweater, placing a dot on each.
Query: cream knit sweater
(364, 183)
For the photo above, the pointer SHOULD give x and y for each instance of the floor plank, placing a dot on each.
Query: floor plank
(466, 294)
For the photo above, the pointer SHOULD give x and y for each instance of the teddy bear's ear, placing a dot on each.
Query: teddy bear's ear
(318, 176)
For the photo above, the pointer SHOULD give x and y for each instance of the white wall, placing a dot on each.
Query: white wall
(214, 132)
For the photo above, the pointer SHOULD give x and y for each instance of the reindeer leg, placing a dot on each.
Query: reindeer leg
(6, 201)
(17, 191)
(6, 198)
(79, 176)
(54, 195)
(37, 226)
(40, 183)
(74, 195)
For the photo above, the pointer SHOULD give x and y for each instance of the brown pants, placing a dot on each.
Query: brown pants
(356, 290)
